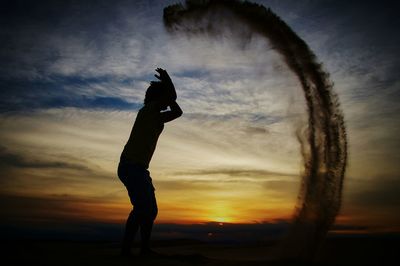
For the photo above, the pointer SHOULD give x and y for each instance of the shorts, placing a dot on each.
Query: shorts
(140, 188)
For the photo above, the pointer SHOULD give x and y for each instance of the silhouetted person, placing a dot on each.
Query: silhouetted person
(136, 156)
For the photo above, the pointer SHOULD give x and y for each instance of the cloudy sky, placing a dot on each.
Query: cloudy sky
(73, 76)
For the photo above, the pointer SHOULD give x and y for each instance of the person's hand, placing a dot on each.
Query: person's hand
(165, 78)
(163, 75)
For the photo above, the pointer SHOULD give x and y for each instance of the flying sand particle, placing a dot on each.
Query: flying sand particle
(323, 144)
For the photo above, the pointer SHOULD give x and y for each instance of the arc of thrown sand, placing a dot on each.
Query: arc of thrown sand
(323, 144)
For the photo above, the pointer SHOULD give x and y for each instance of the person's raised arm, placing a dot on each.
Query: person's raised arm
(166, 80)
(172, 114)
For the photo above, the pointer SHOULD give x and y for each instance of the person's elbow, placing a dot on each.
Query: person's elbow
(179, 113)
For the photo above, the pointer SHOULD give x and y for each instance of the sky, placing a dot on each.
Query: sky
(73, 76)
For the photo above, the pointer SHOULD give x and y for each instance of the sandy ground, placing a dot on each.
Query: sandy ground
(340, 251)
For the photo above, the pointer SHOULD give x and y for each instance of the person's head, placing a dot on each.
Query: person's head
(156, 92)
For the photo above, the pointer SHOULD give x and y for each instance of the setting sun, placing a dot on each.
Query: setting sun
(220, 213)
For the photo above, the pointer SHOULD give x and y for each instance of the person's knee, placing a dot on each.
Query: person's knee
(150, 213)
(154, 213)
(146, 212)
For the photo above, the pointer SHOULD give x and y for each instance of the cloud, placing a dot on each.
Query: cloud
(357, 43)
(9, 159)
(375, 193)
(214, 179)
(236, 174)
(372, 201)
(64, 152)
(64, 208)
(60, 92)
(78, 61)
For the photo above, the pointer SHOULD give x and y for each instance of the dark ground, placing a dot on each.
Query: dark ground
(361, 250)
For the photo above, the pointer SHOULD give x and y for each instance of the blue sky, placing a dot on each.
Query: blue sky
(73, 76)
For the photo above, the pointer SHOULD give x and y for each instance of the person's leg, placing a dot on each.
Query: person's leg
(126, 175)
(131, 227)
(146, 224)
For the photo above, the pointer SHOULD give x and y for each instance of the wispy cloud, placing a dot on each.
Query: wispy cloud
(9, 159)
(23, 209)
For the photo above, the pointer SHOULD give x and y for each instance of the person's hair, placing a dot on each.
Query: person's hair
(154, 92)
